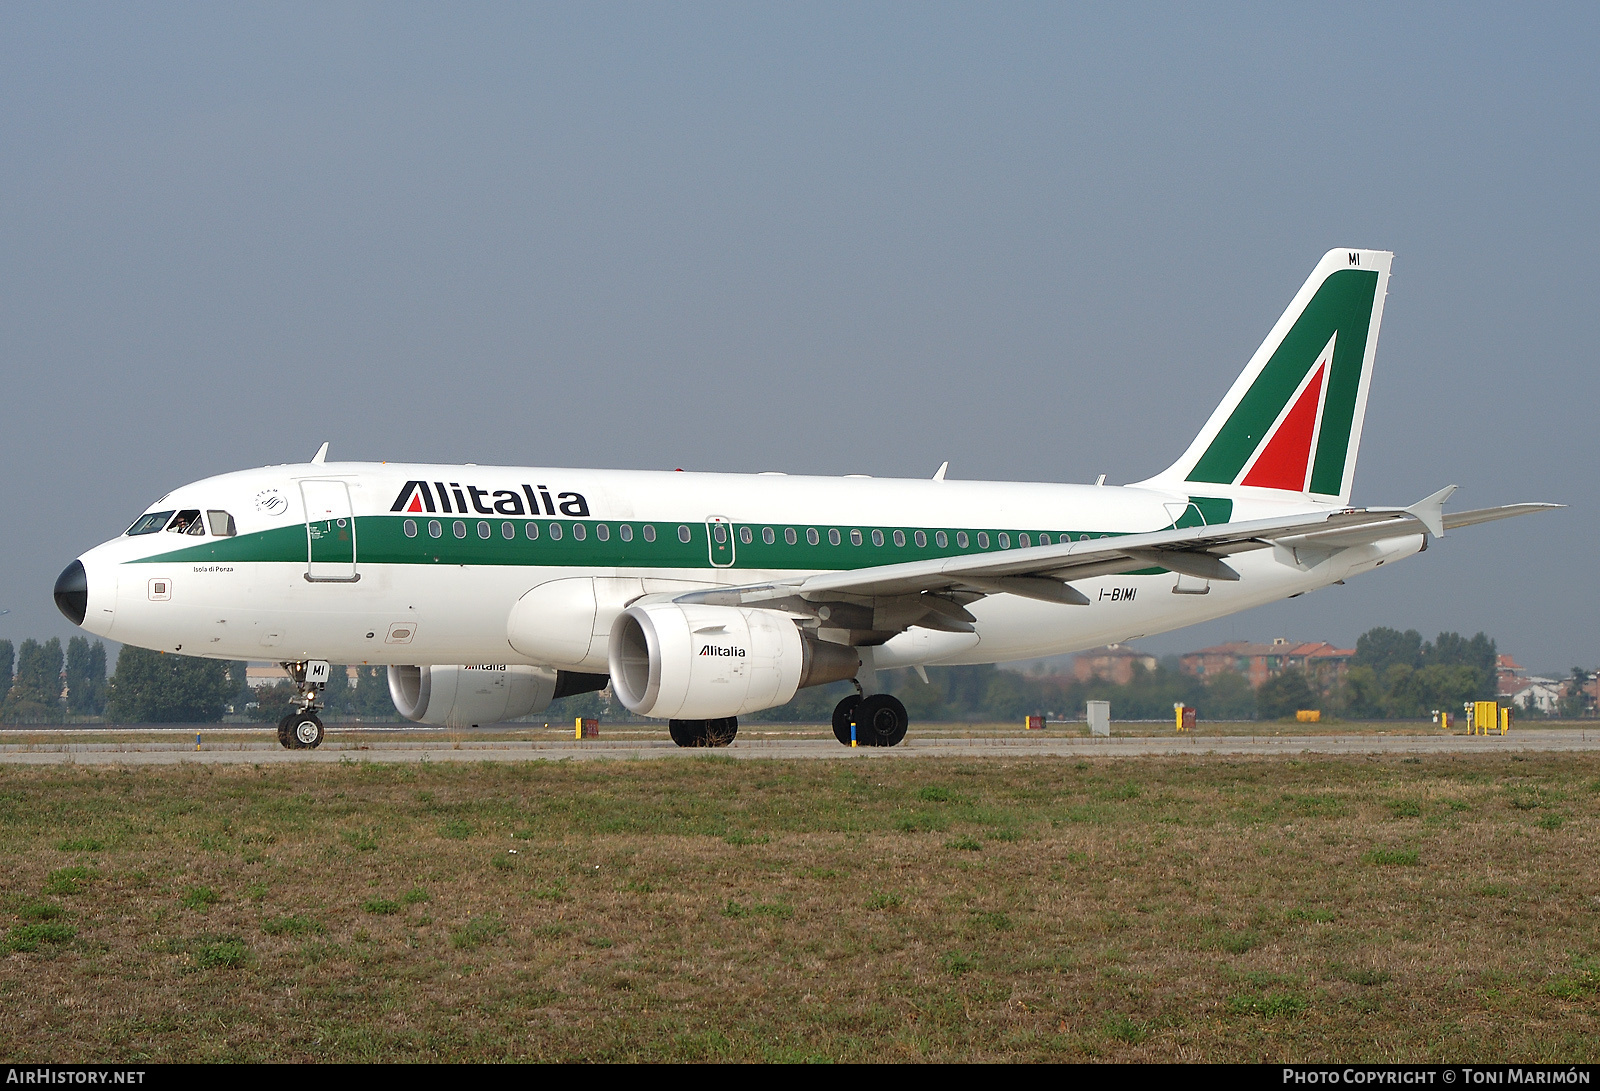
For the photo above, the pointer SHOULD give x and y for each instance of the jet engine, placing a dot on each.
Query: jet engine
(471, 695)
(692, 662)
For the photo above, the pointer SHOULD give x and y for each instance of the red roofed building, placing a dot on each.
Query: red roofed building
(1112, 663)
(1323, 664)
(1510, 677)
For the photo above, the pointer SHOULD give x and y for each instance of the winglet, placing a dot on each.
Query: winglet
(938, 475)
(1430, 511)
(321, 456)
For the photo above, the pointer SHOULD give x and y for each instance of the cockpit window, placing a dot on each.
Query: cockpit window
(149, 524)
(186, 522)
(221, 524)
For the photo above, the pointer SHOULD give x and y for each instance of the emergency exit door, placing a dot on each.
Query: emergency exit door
(330, 532)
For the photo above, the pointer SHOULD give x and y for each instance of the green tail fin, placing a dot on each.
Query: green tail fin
(1291, 423)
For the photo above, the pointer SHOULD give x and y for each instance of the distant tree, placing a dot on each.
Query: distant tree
(86, 677)
(35, 695)
(371, 699)
(1360, 697)
(1575, 701)
(96, 699)
(1284, 695)
(1228, 697)
(1479, 654)
(8, 658)
(338, 697)
(1383, 648)
(239, 693)
(1415, 694)
(274, 701)
(150, 687)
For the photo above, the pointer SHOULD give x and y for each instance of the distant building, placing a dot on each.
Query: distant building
(1544, 693)
(1325, 665)
(1112, 663)
(1510, 677)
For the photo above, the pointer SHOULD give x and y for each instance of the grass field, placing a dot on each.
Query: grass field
(1439, 908)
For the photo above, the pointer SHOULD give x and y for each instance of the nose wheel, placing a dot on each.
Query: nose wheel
(301, 731)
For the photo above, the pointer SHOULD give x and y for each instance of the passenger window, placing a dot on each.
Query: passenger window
(920, 538)
(555, 532)
(811, 536)
(531, 529)
(484, 529)
(877, 537)
(434, 529)
(508, 531)
(683, 534)
(1004, 539)
(410, 527)
(1044, 539)
(221, 524)
(602, 532)
(789, 536)
(649, 532)
(899, 537)
(625, 532)
(578, 532)
(983, 539)
(149, 524)
(940, 539)
(744, 535)
(833, 536)
(855, 537)
(1024, 541)
(459, 529)
(961, 539)
(767, 536)
(186, 522)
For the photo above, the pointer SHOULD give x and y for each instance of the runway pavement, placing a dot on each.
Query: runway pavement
(430, 748)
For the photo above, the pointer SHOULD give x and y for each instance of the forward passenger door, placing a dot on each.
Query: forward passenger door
(330, 532)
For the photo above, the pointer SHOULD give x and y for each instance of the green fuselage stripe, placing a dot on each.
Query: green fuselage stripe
(381, 539)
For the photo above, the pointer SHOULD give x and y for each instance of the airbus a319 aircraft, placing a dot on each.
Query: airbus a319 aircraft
(490, 591)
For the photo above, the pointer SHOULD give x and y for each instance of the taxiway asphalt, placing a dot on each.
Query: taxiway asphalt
(422, 749)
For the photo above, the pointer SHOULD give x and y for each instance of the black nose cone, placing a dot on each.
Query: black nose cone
(72, 592)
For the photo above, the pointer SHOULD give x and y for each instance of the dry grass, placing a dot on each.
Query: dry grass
(702, 908)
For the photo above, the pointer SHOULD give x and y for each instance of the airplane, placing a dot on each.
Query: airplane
(491, 591)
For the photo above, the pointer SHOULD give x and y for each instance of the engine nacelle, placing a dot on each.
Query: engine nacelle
(468, 696)
(691, 662)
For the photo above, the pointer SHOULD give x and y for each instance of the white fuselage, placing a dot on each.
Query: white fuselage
(368, 583)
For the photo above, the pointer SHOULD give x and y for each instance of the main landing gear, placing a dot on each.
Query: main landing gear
(302, 730)
(704, 732)
(878, 720)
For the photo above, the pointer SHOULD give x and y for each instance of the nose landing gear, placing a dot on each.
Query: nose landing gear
(302, 730)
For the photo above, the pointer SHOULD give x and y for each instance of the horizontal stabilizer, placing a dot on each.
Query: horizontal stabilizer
(1488, 515)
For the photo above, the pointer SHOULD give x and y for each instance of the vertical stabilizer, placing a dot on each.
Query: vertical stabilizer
(1291, 423)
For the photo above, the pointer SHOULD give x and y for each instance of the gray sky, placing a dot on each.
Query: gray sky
(828, 239)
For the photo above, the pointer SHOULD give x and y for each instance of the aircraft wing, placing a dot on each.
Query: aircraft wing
(939, 588)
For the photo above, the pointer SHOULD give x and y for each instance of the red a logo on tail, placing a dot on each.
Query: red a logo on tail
(1283, 459)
